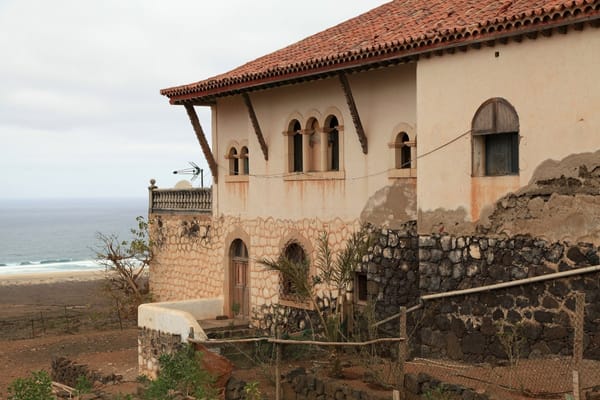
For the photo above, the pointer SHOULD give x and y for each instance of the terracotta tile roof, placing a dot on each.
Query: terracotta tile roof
(394, 30)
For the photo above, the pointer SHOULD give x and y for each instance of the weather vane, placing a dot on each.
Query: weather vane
(194, 170)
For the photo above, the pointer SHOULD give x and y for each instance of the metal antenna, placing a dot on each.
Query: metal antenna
(195, 171)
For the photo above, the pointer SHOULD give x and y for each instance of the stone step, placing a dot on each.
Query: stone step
(226, 328)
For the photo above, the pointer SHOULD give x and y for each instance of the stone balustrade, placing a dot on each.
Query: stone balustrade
(173, 200)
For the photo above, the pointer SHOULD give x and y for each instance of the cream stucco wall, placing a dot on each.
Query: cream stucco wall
(385, 100)
(552, 83)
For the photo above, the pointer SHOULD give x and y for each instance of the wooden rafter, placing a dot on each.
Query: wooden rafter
(362, 138)
(191, 112)
(255, 124)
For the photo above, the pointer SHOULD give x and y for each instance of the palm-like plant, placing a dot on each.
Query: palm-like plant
(334, 271)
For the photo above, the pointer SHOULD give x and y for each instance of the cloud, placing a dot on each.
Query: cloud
(80, 82)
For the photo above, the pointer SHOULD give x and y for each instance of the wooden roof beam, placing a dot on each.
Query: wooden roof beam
(255, 124)
(191, 112)
(362, 138)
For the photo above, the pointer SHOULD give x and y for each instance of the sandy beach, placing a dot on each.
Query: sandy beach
(23, 295)
(50, 277)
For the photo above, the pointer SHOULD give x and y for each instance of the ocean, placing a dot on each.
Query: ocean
(61, 234)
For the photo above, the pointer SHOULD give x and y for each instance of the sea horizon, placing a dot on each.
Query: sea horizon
(60, 234)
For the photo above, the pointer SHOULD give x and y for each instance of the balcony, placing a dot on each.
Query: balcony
(192, 200)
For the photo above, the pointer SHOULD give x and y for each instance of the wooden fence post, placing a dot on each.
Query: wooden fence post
(402, 348)
(277, 365)
(578, 343)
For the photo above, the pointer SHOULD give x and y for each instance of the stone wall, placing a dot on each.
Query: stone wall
(151, 345)
(192, 253)
(392, 269)
(467, 327)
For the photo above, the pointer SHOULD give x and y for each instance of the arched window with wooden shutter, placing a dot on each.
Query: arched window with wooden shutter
(495, 134)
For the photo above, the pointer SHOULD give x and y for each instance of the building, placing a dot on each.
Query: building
(418, 117)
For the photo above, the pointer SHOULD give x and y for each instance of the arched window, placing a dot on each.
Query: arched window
(495, 134)
(245, 161)
(234, 166)
(297, 257)
(333, 143)
(402, 151)
(295, 146)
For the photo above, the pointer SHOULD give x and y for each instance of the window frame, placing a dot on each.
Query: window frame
(496, 120)
(396, 146)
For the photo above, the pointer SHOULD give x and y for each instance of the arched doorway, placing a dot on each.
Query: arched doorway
(238, 280)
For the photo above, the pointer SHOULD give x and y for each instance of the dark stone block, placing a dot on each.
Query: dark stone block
(498, 314)
(543, 317)
(507, 258)
(531, 331)
(453, 347)
(558, 289)
(539, 350)
(489, 299)
(496, 349)
(457, 327)
(411, 384)
(575, 255)
(593, 258)
(513, 316)
(555, 332)
(478, 309)
(442, 322)
(507, 301)
(557, 346)
(473, 343)
(487, 327)
(522, 302)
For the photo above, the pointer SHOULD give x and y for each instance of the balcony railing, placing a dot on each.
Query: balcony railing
(180, 200)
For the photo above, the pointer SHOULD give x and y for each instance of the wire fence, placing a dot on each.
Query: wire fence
(516, 368)
(379, 359)
(519, 370)
(60, 320)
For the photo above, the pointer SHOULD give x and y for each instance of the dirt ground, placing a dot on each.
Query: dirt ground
(103, 348)
(45, 301)
(108, 352)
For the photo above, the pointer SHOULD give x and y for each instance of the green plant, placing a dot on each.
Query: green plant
(512, 340)
(38, 386)
(235, 308)
(438, 393)
(181, 372)
(83, 385)
(121, 396)
(128, 260)
(334, 275)
(252, 391)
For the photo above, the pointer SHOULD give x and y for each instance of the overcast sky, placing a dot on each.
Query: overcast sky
(80, 110)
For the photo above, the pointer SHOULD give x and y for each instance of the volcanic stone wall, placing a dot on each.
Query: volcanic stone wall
(468, 327)
(151, 345)
(392, 269)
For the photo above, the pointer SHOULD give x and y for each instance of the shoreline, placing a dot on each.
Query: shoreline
(38, 278)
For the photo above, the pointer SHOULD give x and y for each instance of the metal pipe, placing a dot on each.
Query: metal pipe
(495, 286)
(518, 282)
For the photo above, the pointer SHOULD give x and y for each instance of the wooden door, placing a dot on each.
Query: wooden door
(240, 287)
(240, 292)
